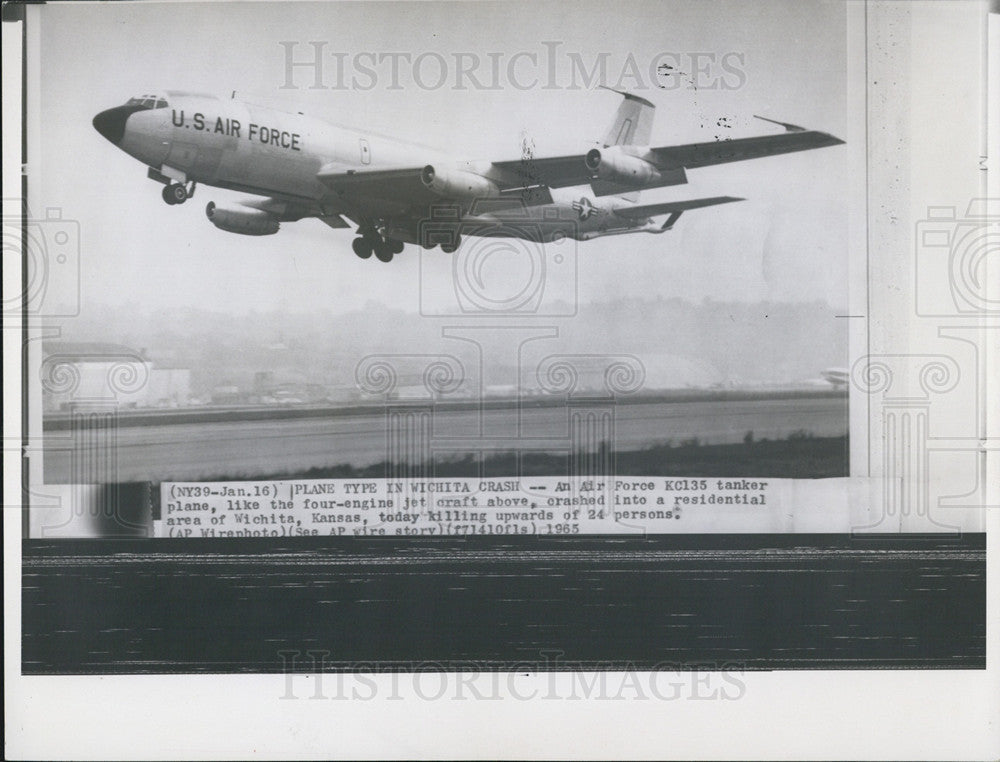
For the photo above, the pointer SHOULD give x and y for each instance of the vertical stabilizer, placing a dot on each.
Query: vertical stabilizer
(633, 123)
(632, 126)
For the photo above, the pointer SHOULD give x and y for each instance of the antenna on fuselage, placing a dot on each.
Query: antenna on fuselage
(233, 96)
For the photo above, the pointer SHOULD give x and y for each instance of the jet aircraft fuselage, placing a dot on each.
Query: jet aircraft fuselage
(398, 192)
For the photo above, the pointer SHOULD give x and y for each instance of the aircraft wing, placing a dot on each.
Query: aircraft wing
(561, 171)
(292, 211)
(334, 221)
(694, 155)
(402, 186)
(399, 184)
(554, 172)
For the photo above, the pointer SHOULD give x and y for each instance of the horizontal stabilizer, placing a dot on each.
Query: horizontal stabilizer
(671, 207)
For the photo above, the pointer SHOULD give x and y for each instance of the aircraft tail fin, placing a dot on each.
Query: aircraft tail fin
(633, 126)
(633, 122)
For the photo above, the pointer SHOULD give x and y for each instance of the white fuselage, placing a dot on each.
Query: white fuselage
(254, 149)
(233, 144)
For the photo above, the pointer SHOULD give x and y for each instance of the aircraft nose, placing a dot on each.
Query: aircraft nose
(111, 123)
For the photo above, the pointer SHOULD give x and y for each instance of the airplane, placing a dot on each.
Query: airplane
(396, 192)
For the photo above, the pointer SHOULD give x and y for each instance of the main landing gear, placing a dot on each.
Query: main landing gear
(178, 193)
(448, 246)
(371, 243)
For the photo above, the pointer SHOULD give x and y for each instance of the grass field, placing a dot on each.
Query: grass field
(800, 456)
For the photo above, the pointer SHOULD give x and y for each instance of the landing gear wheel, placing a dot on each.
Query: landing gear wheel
(449, 248)
(362, 247)
(175, 193)
(396, 246)
(383, 251)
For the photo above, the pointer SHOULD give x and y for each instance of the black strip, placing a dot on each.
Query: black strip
(741, 602)
(13, 10)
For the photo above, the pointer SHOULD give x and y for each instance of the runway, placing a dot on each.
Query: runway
(156, 448)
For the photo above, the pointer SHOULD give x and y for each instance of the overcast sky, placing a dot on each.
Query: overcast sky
(785, 60)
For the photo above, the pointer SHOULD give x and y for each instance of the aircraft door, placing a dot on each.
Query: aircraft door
(162, 138)
(195, 156)
(183, 155)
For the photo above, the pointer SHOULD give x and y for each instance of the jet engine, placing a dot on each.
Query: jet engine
(620, 168)
(457, 183)
(241, 219)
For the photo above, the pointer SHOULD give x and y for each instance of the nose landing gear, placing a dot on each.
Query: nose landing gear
(178, 193)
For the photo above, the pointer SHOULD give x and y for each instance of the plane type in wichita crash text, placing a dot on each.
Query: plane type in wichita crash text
(300, 167)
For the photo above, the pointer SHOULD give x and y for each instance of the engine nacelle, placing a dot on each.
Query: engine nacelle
(612, 165)
(241, 219)
(457, 183)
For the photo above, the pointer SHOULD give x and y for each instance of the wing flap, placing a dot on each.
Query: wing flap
(555, 171)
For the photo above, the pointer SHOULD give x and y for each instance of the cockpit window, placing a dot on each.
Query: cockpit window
(147, 101)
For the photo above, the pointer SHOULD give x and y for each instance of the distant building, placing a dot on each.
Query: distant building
(263, 382)
(100, 374)
(227, 394)
(169, 387)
